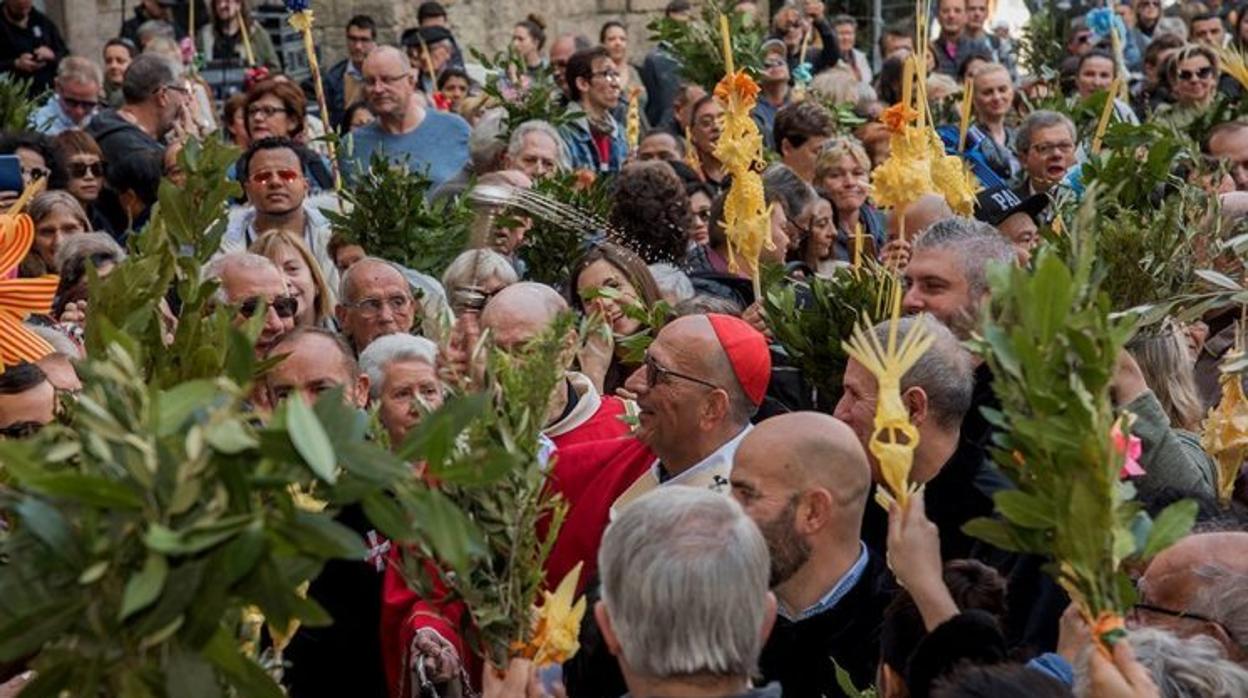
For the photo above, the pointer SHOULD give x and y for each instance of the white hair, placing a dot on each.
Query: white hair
(1192, 667)
(384, 351)
(516, 144)
(219, 266)
(472, 267)
(60, 343)
(674, 284)
(485, 141)
(684, 579)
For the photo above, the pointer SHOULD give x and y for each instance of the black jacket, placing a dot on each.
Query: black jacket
(801, 655)
(16, 41)
(121, 140)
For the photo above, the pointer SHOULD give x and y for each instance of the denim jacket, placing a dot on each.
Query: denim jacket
(581, 148)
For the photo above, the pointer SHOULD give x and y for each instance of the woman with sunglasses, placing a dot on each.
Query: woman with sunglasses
(1192, 76)
(84, 163)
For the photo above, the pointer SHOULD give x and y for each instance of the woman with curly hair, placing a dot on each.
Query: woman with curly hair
(651, 211)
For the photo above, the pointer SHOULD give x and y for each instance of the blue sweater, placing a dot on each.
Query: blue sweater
(438, 147)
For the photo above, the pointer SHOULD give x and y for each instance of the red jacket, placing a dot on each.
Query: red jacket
(590, 476)
(403, 612)
(604, 424)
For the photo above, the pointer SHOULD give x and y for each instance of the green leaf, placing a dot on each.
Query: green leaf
(242, 673)
(1174, 522)
(1024, 509)
(230, 437)
(25, 634)
(144, 587)
(177, 404)
(322, 536)
(92, 574)
(310, 440)
(1218, 279)
(189, 675)
(993, 532)
(49, 526)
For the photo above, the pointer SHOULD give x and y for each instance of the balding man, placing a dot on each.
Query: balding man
(803, 478)
(249, 281)
(316, 361)
(1199, 586)
(374, 300)
(1228, 142)
(431, 142)
(350, 590)
(919, 216)
(701, 381)
(577, 414)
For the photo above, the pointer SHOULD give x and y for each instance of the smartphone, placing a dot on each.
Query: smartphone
(10, 173)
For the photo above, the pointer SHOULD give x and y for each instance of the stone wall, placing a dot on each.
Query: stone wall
(484, 24)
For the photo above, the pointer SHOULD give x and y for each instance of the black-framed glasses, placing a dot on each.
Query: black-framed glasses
(370, 307)
(655, 372)
(704, 215)
(177, 88)
(609, 75)
(805, 231)
(1199, 74)
(266, 111)
(36, 173)
(1182, 615)
(284, 306)
(78, 170)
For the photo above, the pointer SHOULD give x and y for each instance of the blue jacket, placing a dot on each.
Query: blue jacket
(973, 156)
(581, 148)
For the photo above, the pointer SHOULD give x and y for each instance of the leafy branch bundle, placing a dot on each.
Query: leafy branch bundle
(698, 49)
(1052, 344)
(390, 215)
(16, 104)
(525, 94)
(551, 246)
(139, 533)
(813, 319)
(486, 451)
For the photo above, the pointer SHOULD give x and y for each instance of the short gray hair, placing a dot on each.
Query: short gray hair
(384, 351)
(684, 579)
(486, 142)
(1192, 667)
(78, 69)
(672, 282)
(782, 184)
(975, 244)
(516, 143)
(1222, 597)
(944, 372)
(472, 267)
(76, 250)
(219, 266)
(45, 203)
(1037, 120)
(147, 74)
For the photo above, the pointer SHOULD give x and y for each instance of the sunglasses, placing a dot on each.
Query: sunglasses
(36, 173)
(1200, 74)
(79, 103)
(284, 306)
(287, 176)
(78, 170)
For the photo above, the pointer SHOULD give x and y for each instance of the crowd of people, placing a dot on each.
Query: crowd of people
(724, 525)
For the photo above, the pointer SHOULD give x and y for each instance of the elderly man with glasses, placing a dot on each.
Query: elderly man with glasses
(374, 300)
(406, 131)
(250, 283)
(701, 382)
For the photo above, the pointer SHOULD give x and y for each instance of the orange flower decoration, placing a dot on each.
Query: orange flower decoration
(20, 297)
(738, 85)
(897, 116)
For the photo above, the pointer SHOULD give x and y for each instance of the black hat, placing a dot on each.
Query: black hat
(429, 10)
(429, 35)
(999, 203)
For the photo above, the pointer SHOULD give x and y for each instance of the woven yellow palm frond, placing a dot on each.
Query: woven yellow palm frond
(1234, 63)
(894, 438)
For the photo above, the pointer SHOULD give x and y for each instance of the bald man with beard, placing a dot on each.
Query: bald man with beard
(803, 477)
(1199, 586)
(577, 413)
